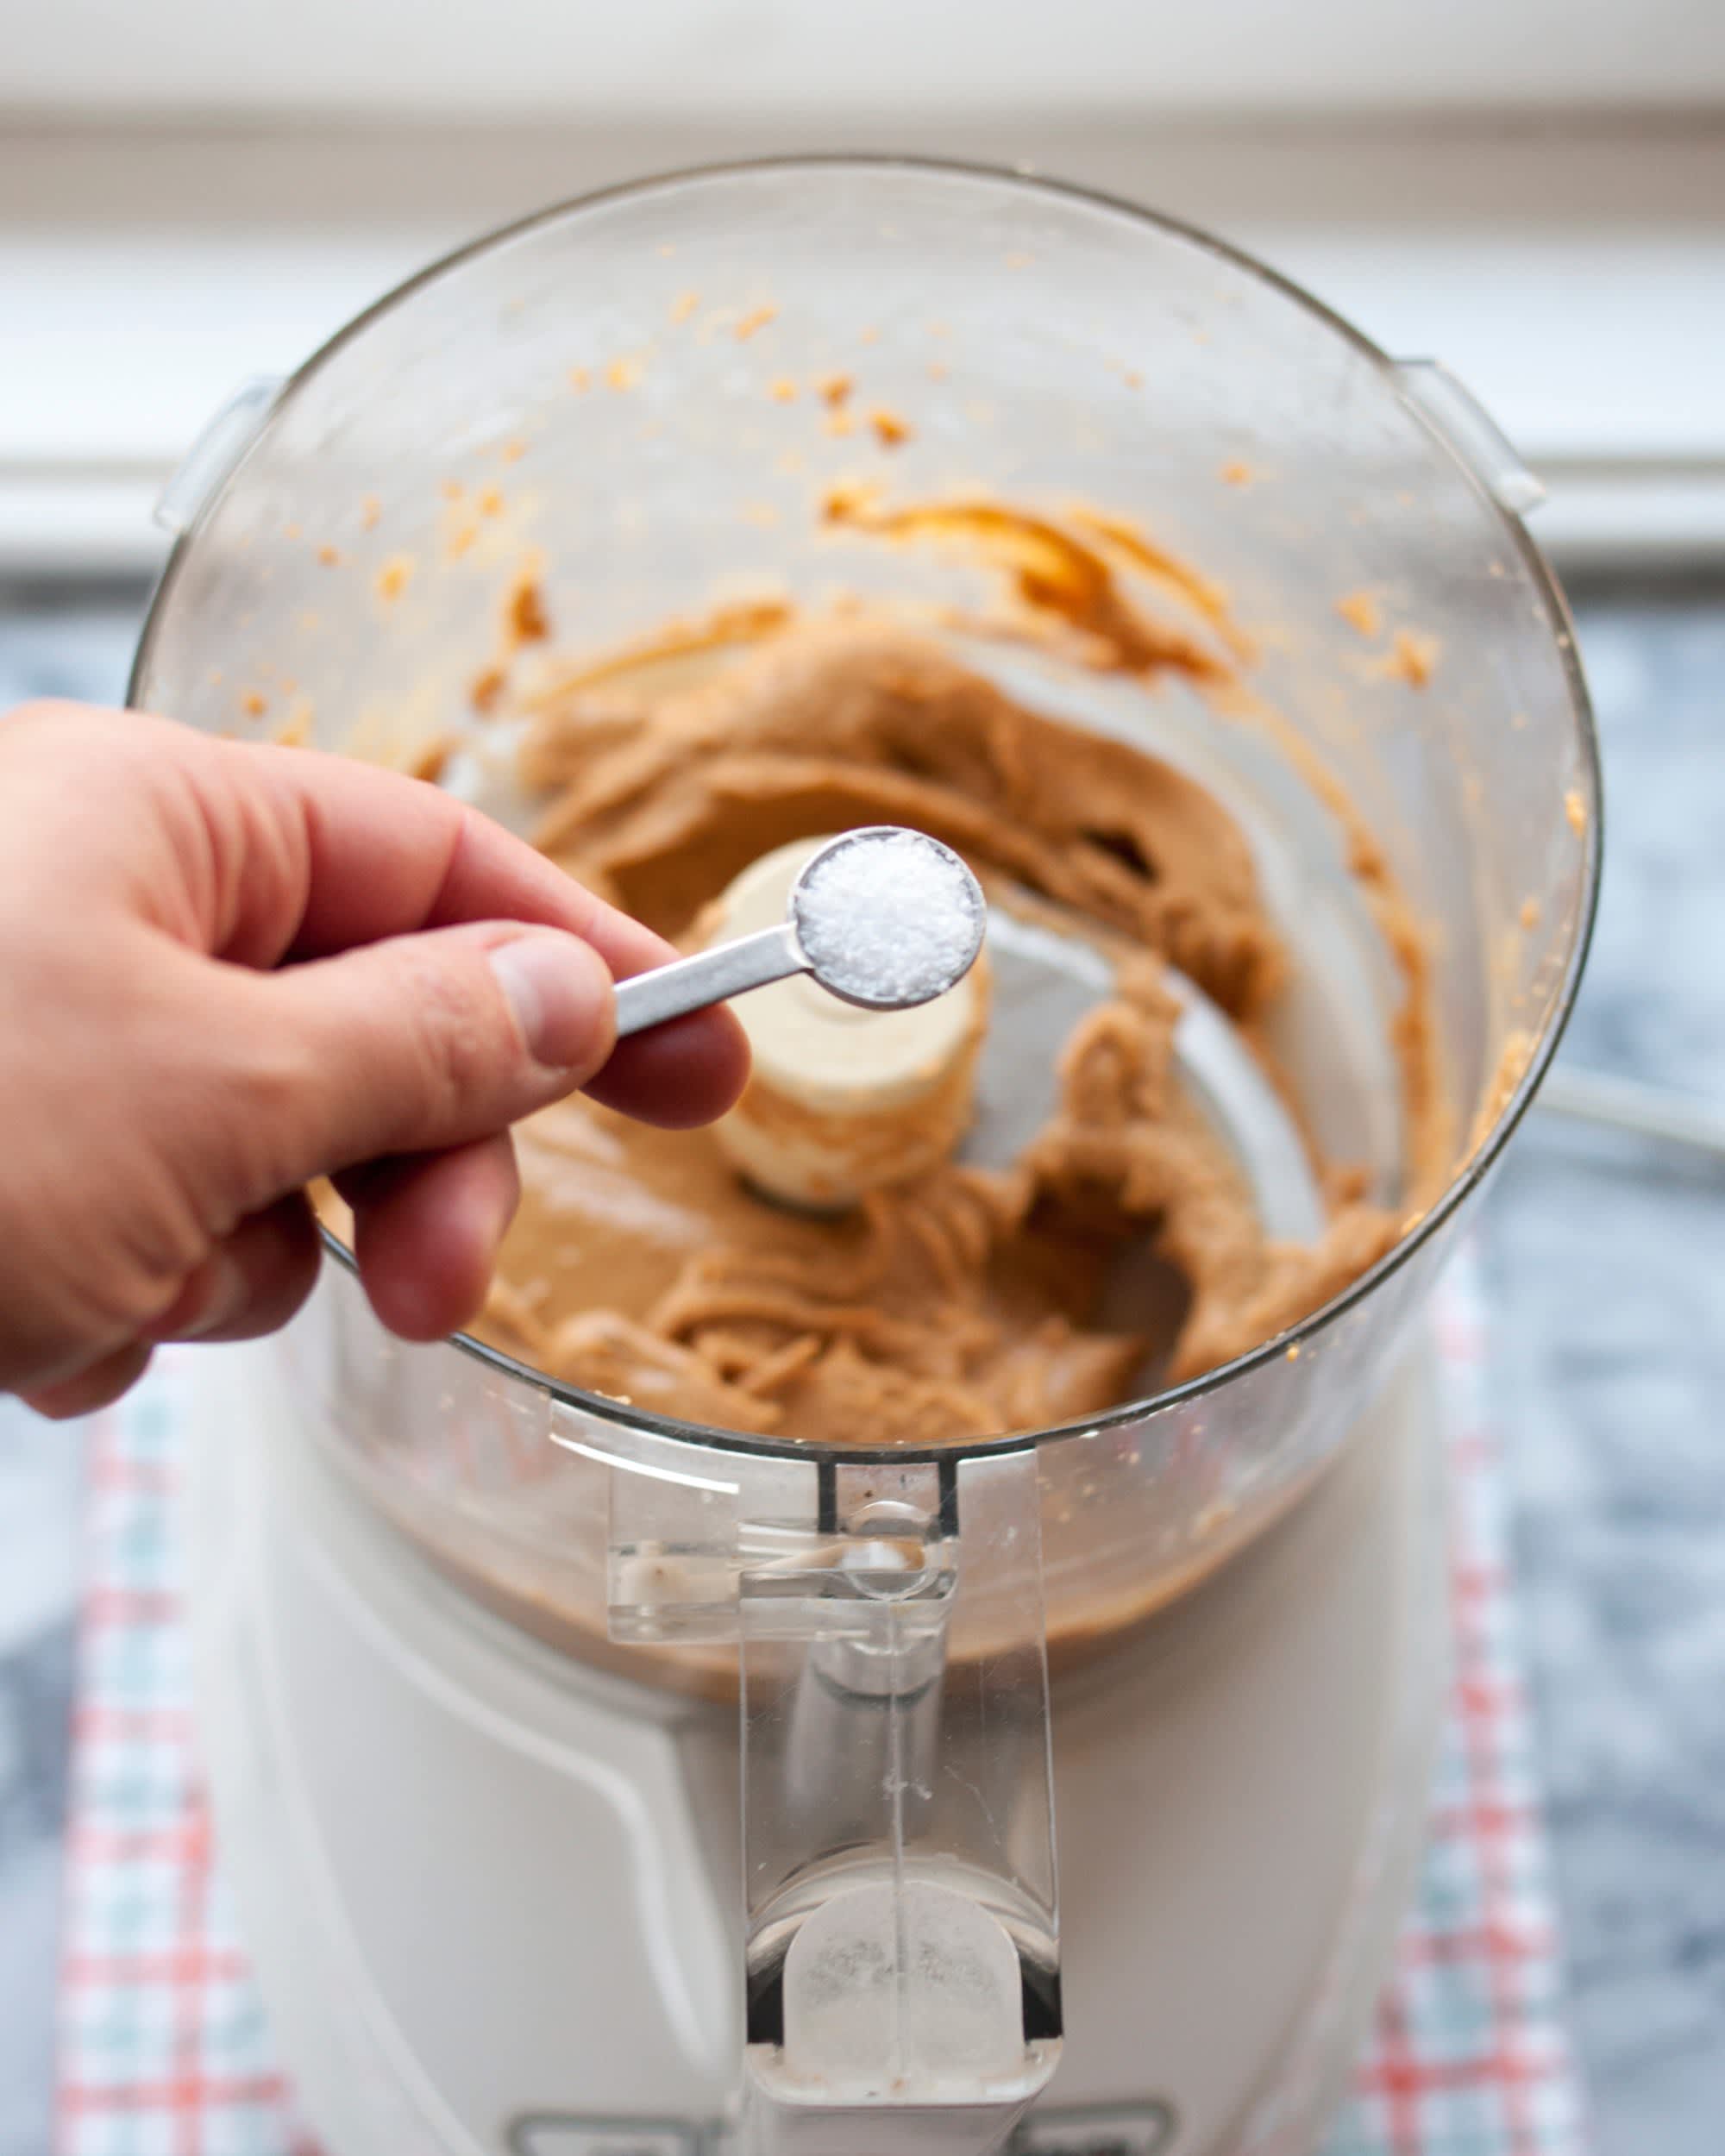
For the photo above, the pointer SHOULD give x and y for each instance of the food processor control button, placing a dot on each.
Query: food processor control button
(841, 1100)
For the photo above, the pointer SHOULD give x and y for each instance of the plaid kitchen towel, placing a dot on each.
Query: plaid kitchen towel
(1469, 2054)
(164, 2051)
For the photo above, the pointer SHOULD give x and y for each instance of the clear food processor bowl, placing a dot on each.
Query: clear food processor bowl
(593, 398)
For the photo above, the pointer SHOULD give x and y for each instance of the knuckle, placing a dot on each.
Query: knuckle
(457, 1047)
(38, 712)
(58, 723)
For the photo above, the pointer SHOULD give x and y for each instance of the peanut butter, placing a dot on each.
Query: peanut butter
(967, 1302)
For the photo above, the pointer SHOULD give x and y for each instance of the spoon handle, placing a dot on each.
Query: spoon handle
(711, 976)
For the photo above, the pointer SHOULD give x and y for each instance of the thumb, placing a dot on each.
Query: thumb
(416, 1043)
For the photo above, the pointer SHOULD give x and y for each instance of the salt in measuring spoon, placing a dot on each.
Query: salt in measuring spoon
(883, 917)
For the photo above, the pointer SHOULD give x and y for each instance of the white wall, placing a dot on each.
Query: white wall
(583, 57)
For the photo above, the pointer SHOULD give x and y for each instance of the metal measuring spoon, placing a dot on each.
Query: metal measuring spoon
(883, 917)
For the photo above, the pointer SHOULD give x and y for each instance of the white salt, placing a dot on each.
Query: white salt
(889, 917)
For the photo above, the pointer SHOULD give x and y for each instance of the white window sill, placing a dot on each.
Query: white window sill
(1575, 281)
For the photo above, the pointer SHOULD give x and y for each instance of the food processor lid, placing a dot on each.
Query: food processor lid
(1447, 416)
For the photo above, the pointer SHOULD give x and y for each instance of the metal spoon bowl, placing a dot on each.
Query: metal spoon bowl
(883, 917)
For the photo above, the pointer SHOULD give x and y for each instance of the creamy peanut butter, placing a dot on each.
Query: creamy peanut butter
(966, 1301)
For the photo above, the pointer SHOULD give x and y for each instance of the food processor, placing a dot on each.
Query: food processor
(599, 1784)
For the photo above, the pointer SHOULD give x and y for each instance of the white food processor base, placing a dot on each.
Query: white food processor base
(490, 1895)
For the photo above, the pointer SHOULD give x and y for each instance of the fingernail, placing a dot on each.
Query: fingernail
(560, 991)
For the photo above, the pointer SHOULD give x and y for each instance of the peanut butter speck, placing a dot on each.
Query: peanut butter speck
(491, 502)
(782, 390)
(834, 389)
(513, 450)
(624, 374)
(370, 509)
(253, 704)
(486, 690)
(684, 305)
(839, 423)
(1576, 810)
(1413, 657)
(1360, 610)
(581, 380)
(395, 576)
(330, 557)
(1237, 472)
(525, 614)
(755, 319)
(1530, 914)
(429, 762)
(889, 428)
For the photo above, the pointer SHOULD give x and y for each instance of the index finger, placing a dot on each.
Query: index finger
(371, 853)
(359, 854)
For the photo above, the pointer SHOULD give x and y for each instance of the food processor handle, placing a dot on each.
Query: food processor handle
(901, 1966)
(903, 1958)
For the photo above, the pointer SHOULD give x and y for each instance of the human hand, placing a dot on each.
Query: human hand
(228, 969)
